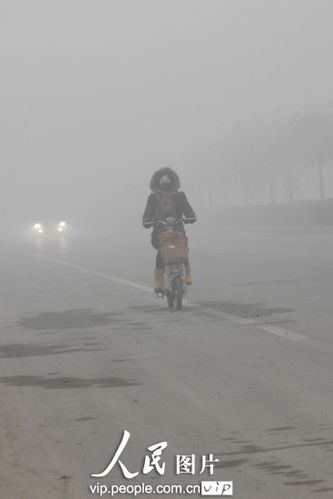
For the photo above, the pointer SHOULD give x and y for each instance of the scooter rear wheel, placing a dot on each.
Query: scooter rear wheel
(170, 299)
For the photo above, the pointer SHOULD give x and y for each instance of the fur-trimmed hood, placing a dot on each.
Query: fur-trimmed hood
(175, 182)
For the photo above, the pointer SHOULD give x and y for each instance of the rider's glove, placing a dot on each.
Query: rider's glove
(189, 220)
(148, 224)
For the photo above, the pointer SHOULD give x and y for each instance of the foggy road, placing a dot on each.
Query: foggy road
(243, 372)
(114, 114)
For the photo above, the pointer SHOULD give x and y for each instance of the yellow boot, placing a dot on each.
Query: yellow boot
(159, 280)
(188, 274)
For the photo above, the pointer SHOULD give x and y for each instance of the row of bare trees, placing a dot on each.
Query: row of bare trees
(269, 153)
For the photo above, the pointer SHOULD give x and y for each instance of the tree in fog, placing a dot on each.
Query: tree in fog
(265, 154)
(274, 155)
(313, 132)
(236, 159)
(285, 155)
(252, 147)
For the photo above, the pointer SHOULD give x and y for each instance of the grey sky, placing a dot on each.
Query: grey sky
(92, 92)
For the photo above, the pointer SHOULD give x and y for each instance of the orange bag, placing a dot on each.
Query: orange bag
(173, 246)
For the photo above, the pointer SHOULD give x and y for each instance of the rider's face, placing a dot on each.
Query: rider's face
(165, 182)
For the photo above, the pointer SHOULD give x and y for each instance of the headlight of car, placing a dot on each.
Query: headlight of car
(38, 228)
(62, 226)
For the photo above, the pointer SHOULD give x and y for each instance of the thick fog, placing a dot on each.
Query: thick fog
(202, 361)
(97, 95)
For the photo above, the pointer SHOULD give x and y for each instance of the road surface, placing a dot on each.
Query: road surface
(242, 375)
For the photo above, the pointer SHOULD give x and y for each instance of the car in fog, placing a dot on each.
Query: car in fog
(50, 228)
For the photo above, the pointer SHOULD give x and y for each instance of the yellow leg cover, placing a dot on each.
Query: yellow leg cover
(158, 280)
(188, 274)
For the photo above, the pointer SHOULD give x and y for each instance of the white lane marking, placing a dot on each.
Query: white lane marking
(284, 333)
(278, 331)
(109, 277)
(268, 328)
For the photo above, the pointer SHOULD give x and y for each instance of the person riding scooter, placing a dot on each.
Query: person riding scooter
(166, 200)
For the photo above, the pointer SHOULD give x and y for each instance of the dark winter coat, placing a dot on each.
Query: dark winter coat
(163, 204)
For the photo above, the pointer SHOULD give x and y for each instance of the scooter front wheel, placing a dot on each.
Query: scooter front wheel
(177, 288)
